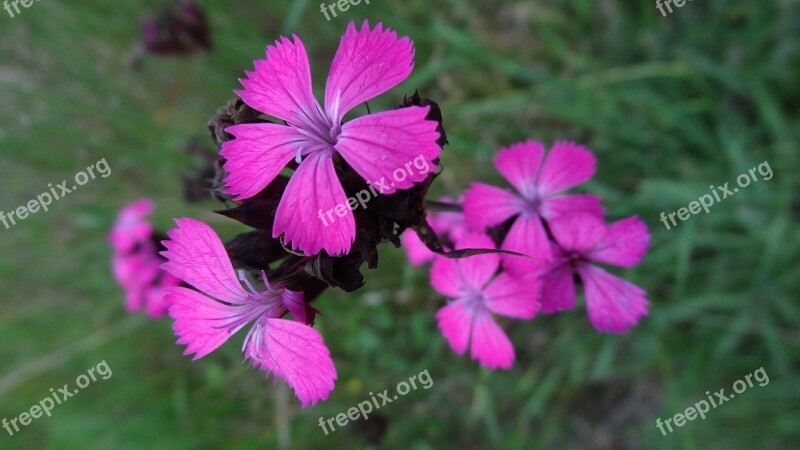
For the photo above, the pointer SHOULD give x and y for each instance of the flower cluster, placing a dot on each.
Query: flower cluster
(562, 233)
(136, 263)
(291, 257)
(285, 158)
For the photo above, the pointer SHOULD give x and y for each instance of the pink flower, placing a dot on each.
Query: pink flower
(135, 261)
(614, 304)
(132, 226)
(204, 320)
(367, 64)
(449, 227)
(539, 185)
(467, 321)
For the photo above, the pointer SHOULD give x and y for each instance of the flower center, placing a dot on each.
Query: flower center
(319, 132)
(473, 298)
(532, 202)
(334, 133)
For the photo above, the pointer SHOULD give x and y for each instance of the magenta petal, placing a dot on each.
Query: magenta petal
(477, 270)
(134, 300)
(257, 155)
(125, 268)
(448, 223)
(156, 302)
(200, 322)
(455, 322)
(416, 251)
(614, 304)
(196, 255)
(280, 86)
(155, 306)
(558, 290)
(519, 164)
(302, 215)
(559, 205)
(489, 344)
(624, 244)
(446, 277)
(296, 304)
(131, 226)
(567, 165)
(512, 296)
(577, 232)
(367, 64)
(136, 272)
(394, 148)
(296, 353)
(486, 206)
(526, 236)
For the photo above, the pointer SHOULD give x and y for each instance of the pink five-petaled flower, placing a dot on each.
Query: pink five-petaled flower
(614, 304)
(204, 320)
(537, 184)
(135, 261)
(467, 321)
(367, 64)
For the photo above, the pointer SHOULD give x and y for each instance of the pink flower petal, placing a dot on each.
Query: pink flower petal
(448, 223)
(614, 304)
(477, 270)
(156, 308)
(416, 251)
(296, 304)
(446, 277)
(302, 215)
(519, 164)
(156, 303)
(486, 206)
(281, 86)
(367, 64)
(134, 300)
(567, 165)
(257, 155)
(512, 296)
(560, 205)
(200, 322)
(526, 236)
(196, 255)
(131, 226)
(296, 353)
(489, 344)
(136, 272)
(624, 244)
(394, 148)
(455, 322)
(125, 268)
(577, 232)
(558, 289)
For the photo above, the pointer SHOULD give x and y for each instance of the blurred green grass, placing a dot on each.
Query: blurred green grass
(669, 105)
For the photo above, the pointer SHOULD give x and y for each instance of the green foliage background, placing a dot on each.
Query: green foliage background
(670, 106)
